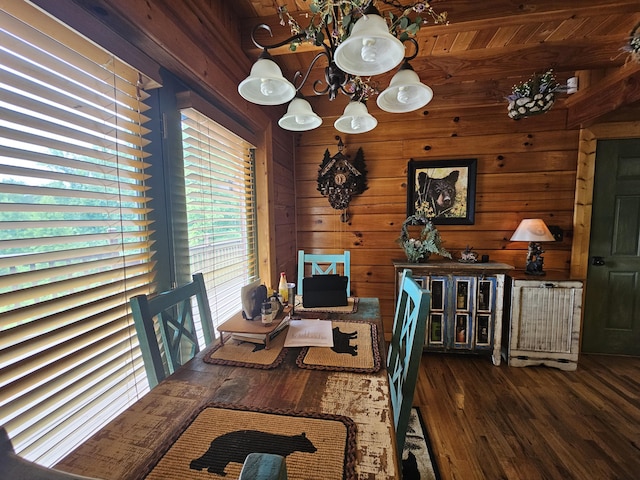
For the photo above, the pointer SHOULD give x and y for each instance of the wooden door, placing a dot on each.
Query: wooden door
(612, 302)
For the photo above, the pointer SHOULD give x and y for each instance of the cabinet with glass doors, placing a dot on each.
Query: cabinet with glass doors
(465, 313)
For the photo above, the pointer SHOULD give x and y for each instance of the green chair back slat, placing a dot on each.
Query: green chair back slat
(173, 313)
(405, 351)
(324, 264)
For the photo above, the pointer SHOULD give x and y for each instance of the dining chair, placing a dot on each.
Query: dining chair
(405, 351)
(14, 467)
(171, 313)
(324, 264)
(263, 466)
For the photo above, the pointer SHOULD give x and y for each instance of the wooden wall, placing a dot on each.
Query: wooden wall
(526, 168)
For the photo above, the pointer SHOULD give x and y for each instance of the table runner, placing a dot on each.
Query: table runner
(248, 354)
(355, 349)
(215, 443)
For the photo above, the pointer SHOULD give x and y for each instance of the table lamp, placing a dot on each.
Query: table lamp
(533, 230)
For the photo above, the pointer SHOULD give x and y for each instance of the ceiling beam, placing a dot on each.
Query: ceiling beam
(617, 89)
(463, 15)
(522, 59)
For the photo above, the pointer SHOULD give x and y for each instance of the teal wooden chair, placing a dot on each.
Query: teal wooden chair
(263, 466)
(324, 264)
(171, 313)
(405, 352)
(14, 467)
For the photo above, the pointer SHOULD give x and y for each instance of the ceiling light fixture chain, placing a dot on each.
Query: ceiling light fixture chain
(358, 43)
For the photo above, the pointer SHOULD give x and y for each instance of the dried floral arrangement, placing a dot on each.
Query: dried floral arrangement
(633, 47)
(533, 97)
(427, 242)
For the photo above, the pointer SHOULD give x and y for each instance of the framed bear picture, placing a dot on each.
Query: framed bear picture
(442, 190)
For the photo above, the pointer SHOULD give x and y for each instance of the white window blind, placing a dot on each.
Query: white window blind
(74, 240)
(219, 170)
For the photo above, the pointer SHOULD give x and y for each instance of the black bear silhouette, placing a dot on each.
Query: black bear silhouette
(410, 469)
(235, 446)
(341, 342)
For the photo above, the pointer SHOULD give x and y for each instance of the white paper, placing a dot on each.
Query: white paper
(309, 333)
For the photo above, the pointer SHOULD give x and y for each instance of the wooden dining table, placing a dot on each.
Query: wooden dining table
(126, 447)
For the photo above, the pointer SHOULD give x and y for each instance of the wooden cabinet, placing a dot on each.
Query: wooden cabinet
(466, 307)
(545, 322)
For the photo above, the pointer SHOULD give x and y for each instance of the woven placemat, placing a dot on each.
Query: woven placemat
(350, 307)
(216, 442)
(248, 354)
(355, 349)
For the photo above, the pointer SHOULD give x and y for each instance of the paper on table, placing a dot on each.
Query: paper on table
(309, 333)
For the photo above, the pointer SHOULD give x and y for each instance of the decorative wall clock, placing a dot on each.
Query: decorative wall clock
(340, 180)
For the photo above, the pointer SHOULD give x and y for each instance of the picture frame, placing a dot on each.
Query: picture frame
(442, 190)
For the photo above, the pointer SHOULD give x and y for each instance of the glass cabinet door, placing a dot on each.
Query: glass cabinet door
(485, 295)
(464, 305)
(485, 312)
(436, 329)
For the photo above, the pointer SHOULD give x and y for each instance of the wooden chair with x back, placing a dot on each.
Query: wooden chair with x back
(172, 310)
(405, 351)
(324, 264)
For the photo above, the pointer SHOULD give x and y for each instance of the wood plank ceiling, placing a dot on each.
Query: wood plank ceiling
(491, 45)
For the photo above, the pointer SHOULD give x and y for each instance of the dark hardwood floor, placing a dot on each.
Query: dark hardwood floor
(531, 423)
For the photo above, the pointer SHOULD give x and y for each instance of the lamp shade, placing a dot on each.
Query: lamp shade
(355, 119)
(265, 85)
(299, 117)
(370, 49)
(405, 92)
(532, 230)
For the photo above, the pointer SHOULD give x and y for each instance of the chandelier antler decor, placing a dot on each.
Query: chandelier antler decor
(356, 42)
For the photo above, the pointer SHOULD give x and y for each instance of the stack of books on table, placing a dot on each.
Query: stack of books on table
(262, 337)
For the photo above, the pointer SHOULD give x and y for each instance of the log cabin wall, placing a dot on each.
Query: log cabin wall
(526, 169)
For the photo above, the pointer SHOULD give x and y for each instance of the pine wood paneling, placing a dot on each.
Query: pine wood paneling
(521, 173)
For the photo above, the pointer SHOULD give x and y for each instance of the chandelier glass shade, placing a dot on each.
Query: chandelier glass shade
(370, 49)
(266, 85)
(355, 119)
(357, 43)
(300, 116)
(405, 92)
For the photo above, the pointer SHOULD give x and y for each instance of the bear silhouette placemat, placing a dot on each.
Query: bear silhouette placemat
(355, 349)
(248, 354)
(216, 442)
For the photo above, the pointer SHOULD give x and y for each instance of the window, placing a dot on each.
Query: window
(74, 239)
(219, 171)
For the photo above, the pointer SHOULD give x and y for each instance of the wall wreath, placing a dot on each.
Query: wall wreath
(340, 180)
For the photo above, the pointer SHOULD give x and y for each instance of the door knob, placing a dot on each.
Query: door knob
(597, 261)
